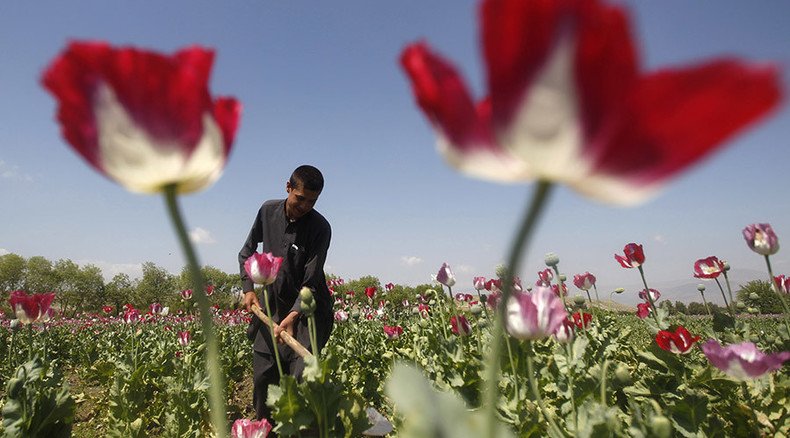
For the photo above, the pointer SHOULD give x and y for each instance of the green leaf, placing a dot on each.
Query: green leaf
(428, 413)
(689, 414)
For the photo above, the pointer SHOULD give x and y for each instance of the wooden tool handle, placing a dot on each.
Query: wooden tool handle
(284, 335)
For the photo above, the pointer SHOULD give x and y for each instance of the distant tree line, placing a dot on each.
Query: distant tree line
(756, 294)
(83, 288)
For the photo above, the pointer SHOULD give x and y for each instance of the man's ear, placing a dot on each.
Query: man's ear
(288, 187)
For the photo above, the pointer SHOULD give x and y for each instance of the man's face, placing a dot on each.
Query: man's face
(300, 200)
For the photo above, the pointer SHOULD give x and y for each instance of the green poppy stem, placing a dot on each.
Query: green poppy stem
(776, 289)
(729, 308)
(650, 297)
(271, 331)
(212, 358)
(513, 369)
(729, 288)
(523, 234)
(554, 430)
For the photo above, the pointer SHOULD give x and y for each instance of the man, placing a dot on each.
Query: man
(289, 228)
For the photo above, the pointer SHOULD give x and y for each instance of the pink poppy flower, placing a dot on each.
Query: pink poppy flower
(186, 294)
(445, 275)
(389, 286)
(710, 267)
(131, 316)
(143, 119)
(460, 325)
(535, 315)
(107, 309)
(565, 332)
(341, 316)
(633, 258)
(743, 361)
(479, 283)
(263, 268)
(155, 308)
(584, 281)
(556, 112)
(545, 277)
(643, 310)
(782, 283)
(184, 338)
(679, 342)
(393, 332)
(244, 428)
(761, 239)
(581, 320)
(209, 290)
(493, 285)
(370, 291)
(31, 308)
(556, 289)
(654, 295)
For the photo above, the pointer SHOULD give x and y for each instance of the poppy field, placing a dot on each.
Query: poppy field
(571, 366)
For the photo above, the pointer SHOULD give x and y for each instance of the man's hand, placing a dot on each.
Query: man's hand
(249, 299)
(287, 324)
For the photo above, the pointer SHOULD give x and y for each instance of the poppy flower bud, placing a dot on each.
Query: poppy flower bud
(752, 310)
(501, 271)
(476, 309)
(14, 325)
(563, 277)
(754, 296)
(660, 426)
(483, 323)
(306, 295)
(726, 266)
(483, 299)
(619, 290)
(429, 292)
(740, 305)
(551, 259)
(578, 300)
(424, 323)
(622, 375)
(701, 287)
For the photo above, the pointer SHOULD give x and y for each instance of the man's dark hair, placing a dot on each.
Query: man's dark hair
(307, 177)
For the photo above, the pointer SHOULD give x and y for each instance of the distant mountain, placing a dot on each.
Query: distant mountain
(686, 290)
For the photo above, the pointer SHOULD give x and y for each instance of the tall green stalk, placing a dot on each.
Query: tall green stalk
(775, 288)
(212, 359)
(523, 234)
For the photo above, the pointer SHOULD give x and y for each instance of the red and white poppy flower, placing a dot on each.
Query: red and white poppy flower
(634, 256)
(584, 281)
(710, 267)
(555, 111)
(143, 119)
(679, 342)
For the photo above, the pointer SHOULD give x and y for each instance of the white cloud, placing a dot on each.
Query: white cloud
(9, 171)
(660, 238)
(4, 251)
(109, 270)
(200, 235)
(411, 260)
(464, 269)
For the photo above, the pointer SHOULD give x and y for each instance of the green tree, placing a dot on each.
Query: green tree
(92, 288)
(12, 277)
(695, 308)
(40, 277)
(119, 291)
(156, 286)
(767, 300)
(12, 272)
(680, 307)
(67, 275)
(226, 286)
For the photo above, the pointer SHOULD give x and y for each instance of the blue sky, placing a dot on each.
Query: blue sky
(320, 84)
